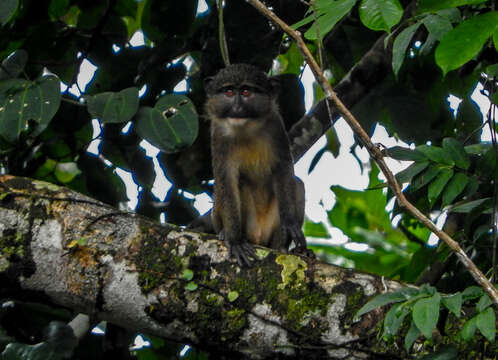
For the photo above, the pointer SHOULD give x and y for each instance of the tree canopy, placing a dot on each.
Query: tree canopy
(425, 70)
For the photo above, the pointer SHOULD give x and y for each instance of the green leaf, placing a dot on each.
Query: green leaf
(7, 10)
(412, 335)
(436, 154)
(317, 230)
(412, 170)
(483, 303)
(472, 292)
(455, 187)
(402, 153)
(187, 274)
(380, 14)
(170, 125)
(468, 206)
(66, 172)
(437, 25)
(453, 303)
(191, 286)
(333, 143)
(426, 314)
(387, 298)
(495, 41)
(465, 41)
(112, 107)
(477, 149)
(434, 5)
(14, 64)
(448, 352)
(457, 152)
(23, 100)
(425, 177)
(452, 14)
(486, 323)
(58, 8)
(438, 185)
(469, 329)
(492, 70)
(328, 14)
(233, 295)
(400, 45)
(393, 320)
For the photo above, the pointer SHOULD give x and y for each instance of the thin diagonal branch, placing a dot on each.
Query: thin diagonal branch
(375, 152)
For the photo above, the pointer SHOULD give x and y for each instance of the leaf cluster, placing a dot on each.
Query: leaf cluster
(420, 308)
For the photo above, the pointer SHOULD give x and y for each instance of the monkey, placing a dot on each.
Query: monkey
(257, 197)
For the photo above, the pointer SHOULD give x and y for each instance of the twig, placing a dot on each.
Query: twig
(375, 152)
(71, 101)
(221, 34)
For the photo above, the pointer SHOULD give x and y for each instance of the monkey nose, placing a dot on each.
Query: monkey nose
(238, 112)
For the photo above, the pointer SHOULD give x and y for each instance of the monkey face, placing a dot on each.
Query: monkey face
(240, 97)
(244, 101)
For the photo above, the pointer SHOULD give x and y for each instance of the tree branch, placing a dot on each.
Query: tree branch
(180, 285)
(375, 152)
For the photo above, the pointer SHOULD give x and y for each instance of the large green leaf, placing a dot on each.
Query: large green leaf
(23, 100)
(412, 335)
(14, 64)
(425, 177)
(468, 206)
(469, 329)
(465, 41)
(436, 154)
(7, 10)
(426, 314)
(437, 186)
(453, 303)
(393, 320)
(454, 188)
(457, 152)
(483, 303)
(486, 323)
(407, 174)
(380, 14)
(402, 153)
(435, 5)
(111, 107)
(387, 298)
(437, 25)
(401, 44)
(170, 125)
(328, 14)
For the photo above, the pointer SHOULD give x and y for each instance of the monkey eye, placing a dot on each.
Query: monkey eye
(228, 92)
(245, 92)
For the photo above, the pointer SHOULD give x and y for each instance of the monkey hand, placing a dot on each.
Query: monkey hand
(241, 251)
(303, 251)
(293, 233)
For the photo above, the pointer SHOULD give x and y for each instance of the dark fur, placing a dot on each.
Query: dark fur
(257, 197)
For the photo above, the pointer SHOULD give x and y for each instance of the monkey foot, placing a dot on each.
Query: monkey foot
(242, 253)
(303, 251)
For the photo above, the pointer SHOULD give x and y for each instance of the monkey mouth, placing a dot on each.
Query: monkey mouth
(237, 121)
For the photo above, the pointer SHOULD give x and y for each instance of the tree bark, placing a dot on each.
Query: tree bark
(67, 249)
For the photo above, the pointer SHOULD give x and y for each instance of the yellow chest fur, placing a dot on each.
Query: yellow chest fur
(255, 158)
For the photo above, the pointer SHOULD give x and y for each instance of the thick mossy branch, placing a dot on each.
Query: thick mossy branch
(177, 284)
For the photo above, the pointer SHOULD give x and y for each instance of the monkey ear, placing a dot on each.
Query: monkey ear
(275, 85)
(207, 82)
